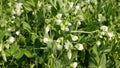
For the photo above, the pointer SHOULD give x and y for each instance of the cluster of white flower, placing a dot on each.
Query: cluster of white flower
(59, 41)
(76, 9)
(65, 26)
(18, 9)
(106, 32)
(71, 4)
(58, 20)
(68, 45)
(111, 35)
(101, 18)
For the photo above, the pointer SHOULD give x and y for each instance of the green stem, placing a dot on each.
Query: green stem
(84, 32)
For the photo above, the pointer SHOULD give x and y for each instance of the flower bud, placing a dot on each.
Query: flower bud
(69, 54)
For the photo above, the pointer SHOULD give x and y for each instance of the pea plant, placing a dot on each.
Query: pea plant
(59, 33)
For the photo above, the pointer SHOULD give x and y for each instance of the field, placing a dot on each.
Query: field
(59, 33)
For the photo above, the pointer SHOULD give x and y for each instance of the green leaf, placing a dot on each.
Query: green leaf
(14, 48)
(18, 54)
(117, 63)
(95, 51)
(103, 61)
(34, 36)
(92, 65)
(2, 34)
(8, 52)
(92, 62)
(28, 53)
(28, 5)
(26, 26)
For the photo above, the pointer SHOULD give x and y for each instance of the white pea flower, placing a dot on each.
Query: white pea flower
(45, 40)
(49, 7)
(82, 4)
(71, 4)
(17, 32)
(104, 28)
(102, 33)
(18, 8)
(39, 4)
(11, 39)
(79, 23)
(69, 54)
(63, 27)
(79, 46)
(18, 5)
(9, 4)
(0, 47)
(12, 21)
(81, 17)
(69, 24)
(119, 37)
(75, 12)
(47, 29)
(110, 34)
(58, 21)
(74, 65)
(13, 12)
(98, 43)
(7, 46)
(66, 45)
(77, 7)
(59, 47)
(74, 38)
(67, 29)
(88, 1)
(58, 41)
(9, 29)
(13, 17)
(84, 9)
(101, 17)
(59, 15)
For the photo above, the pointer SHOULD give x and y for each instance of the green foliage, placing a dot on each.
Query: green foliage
(59, 34)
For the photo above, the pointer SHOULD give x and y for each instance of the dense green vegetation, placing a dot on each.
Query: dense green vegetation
(59, 33)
